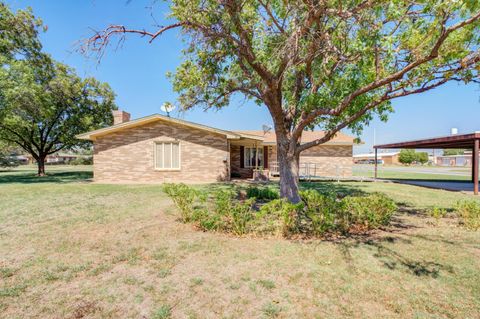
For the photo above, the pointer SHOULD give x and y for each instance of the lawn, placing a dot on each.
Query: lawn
(414, 172)
(72, 249)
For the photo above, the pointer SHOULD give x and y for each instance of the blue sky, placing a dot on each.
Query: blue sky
(136, 72)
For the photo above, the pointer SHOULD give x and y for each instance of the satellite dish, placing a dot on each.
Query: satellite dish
(266, 128)
(167, 107)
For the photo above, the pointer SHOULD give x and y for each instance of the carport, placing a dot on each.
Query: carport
(462, 141)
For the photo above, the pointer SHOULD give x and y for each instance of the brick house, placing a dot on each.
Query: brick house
(158, 148)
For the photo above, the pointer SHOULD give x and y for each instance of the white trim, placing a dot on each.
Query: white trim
(171, 156)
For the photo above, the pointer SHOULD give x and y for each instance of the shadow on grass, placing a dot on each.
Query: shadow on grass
(52, 177)
(391, 258)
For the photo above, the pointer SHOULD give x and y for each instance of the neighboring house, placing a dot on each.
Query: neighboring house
(57, 158)
(158, 148)
(455, 160)
(388, 158)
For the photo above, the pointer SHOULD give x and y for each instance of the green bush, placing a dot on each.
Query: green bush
(184, 198)
(262, 193)
(317, 214)
(321, 210)
(225, 214)
(370, 211)
(206, 220)
(279, 217)
(469, 211)
(437, 212)
(82, 161)
(240, 215)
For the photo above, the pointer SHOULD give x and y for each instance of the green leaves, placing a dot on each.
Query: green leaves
(319, 57)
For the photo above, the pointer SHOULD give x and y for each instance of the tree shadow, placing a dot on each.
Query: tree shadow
(52, 177)
(391, 258)
(341, 189)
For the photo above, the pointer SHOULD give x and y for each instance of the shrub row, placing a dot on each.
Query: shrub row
(316, 215)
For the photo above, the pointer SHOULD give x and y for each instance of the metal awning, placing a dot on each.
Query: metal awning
(462, 141)
(452, 141)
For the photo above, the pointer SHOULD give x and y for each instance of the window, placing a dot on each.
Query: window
(250, 154)
(167, 155)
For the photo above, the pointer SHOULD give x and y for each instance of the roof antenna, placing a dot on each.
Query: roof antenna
(266, 128)
(167, 107)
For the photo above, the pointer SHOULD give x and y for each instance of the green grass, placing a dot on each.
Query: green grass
(415, 172)
(69, 248)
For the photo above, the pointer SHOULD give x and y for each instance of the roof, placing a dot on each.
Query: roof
(154, 118)
(451, 141)
(269, 138)
(307, 136)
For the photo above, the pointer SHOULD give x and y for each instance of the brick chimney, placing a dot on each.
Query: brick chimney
(120, 117)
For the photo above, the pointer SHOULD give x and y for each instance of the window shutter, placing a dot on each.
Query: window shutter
(265, 157)
(242, 156)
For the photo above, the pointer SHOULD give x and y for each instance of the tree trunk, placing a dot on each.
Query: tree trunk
(41, 165)
(288, 162)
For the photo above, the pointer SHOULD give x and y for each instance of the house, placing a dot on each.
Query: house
(389, 158)
(464, 159)
(56, 158)
(159, 148)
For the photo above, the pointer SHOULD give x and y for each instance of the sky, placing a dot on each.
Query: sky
(137, 73)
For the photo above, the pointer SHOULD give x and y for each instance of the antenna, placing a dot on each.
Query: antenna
(266, 128)
(167, 107)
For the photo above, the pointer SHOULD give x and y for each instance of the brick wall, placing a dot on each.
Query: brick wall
(128, 156)
(330, 160)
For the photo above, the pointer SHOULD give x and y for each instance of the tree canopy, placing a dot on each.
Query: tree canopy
(43, 103)
(328, 64)
(43, 109)
(19, 34)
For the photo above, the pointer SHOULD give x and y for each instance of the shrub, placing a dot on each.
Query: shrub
(262, 193)
(226, 214)
(184, 198)
(279, 217)
(370, 211)
(469, 211)
(321, 210)
(437, 212)
(240, 215)
(82, 161)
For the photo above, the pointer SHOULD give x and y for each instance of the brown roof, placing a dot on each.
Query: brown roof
(307, 136)
(450, 141)
(268, 138)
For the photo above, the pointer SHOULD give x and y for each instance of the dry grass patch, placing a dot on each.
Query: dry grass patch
(80, 250)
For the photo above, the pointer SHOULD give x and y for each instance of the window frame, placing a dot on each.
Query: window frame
(171, 156)
(246, 161)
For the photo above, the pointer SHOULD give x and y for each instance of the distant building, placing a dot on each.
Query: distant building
(57, 158)
(464, 159)
(389, 158)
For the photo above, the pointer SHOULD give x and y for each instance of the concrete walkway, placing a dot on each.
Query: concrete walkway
(450, 186)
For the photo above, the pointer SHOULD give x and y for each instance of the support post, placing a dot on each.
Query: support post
(475, 166)
(376, 164)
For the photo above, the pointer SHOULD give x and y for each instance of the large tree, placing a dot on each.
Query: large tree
(43, 107)
(331, 64)
(19, 35)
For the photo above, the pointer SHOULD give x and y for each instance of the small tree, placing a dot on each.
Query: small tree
(421, 157)
(328, 64)
(407, 156)
(43, 107)
(453, 151)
